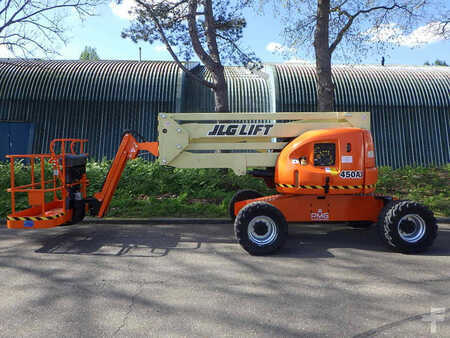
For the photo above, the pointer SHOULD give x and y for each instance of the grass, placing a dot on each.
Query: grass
(147, 189)
(429, 186)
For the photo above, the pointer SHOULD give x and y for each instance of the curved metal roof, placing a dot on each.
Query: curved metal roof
(89, 80)
(364, 86)
(247, 92)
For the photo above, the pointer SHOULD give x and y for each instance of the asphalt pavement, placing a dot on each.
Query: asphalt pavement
(167, 279)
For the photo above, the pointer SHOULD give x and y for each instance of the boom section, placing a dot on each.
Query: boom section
(128, 150)
(240, 140)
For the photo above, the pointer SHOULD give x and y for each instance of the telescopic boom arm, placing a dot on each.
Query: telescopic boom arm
(128, 150)
(233, 140)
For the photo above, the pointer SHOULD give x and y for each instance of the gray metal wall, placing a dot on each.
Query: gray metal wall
(410, 106)
(247, 92)
(97, 100)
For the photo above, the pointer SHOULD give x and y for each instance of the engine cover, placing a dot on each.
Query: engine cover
(328, 161)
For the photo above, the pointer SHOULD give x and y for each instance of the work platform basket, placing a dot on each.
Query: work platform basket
(57, 180)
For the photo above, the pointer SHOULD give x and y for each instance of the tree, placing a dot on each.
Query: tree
(89, 53)
(440, 63)
(210, 29)
(354, 24)
(30, 27)
(437, 62)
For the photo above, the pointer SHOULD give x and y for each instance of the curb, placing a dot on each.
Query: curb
(92, 220)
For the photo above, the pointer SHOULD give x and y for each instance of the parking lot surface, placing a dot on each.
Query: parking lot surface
(168, 279)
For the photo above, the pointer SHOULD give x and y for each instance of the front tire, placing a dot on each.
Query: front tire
(407, 226)
(260, 228)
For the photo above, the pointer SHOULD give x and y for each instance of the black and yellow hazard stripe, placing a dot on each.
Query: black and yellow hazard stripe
(332, 187)
(311, 187)
(286, 185)
(34, 218)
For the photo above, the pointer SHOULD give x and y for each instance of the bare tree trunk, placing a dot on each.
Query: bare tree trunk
(220, 92)
(325, 87)
(215, 67)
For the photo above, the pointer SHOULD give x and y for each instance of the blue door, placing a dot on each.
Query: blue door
(16, 138)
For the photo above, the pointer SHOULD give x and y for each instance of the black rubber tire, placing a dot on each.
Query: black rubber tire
(241, 195)
(360, 225)
(242, 222)
(389, 222)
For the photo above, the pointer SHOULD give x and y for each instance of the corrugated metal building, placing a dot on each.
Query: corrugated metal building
(410, 106)
(99, 99)
(96, 100)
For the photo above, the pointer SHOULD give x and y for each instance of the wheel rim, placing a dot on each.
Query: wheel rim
(411, 228)
(262, 230)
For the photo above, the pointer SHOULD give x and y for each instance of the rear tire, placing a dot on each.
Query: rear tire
(407, 226)
(260, 228)
(241, 195)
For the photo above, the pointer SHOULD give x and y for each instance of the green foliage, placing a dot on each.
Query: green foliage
(437, 62)
(429, 186)
(147, 189)
(89, 53)
(440, 63)
(168, 21)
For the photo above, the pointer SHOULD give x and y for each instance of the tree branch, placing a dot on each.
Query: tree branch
(6, 7)
(210, 32)
(193, 33)
(10, 22)
(352, 17)
(234, 44)
(78, 5)
(170, 49)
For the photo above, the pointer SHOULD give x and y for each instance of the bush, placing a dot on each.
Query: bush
(147, 189)
(429, 186)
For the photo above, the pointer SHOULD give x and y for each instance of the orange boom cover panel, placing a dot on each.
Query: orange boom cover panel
(337, 161)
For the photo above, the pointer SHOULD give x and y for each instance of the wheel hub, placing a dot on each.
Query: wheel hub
(262, 230)
(411, 228)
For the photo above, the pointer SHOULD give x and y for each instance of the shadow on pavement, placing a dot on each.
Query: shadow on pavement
(305, 240)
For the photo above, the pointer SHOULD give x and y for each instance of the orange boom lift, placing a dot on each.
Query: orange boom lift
(321, 175)
(67, 187)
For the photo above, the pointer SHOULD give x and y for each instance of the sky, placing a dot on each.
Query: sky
(262, 35)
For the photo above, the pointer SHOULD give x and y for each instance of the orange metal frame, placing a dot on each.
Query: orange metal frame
(128, 150)
(42, 214)
(296, 208)
(329, 208)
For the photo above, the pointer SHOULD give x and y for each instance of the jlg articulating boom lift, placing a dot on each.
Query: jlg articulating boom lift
(322, 165)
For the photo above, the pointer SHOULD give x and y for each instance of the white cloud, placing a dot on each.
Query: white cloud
(297, 60)
(422, 35)
(273, 47)
(123, 10)
(159, 48)
(278, 48)
(5, 53)
(126, 6)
